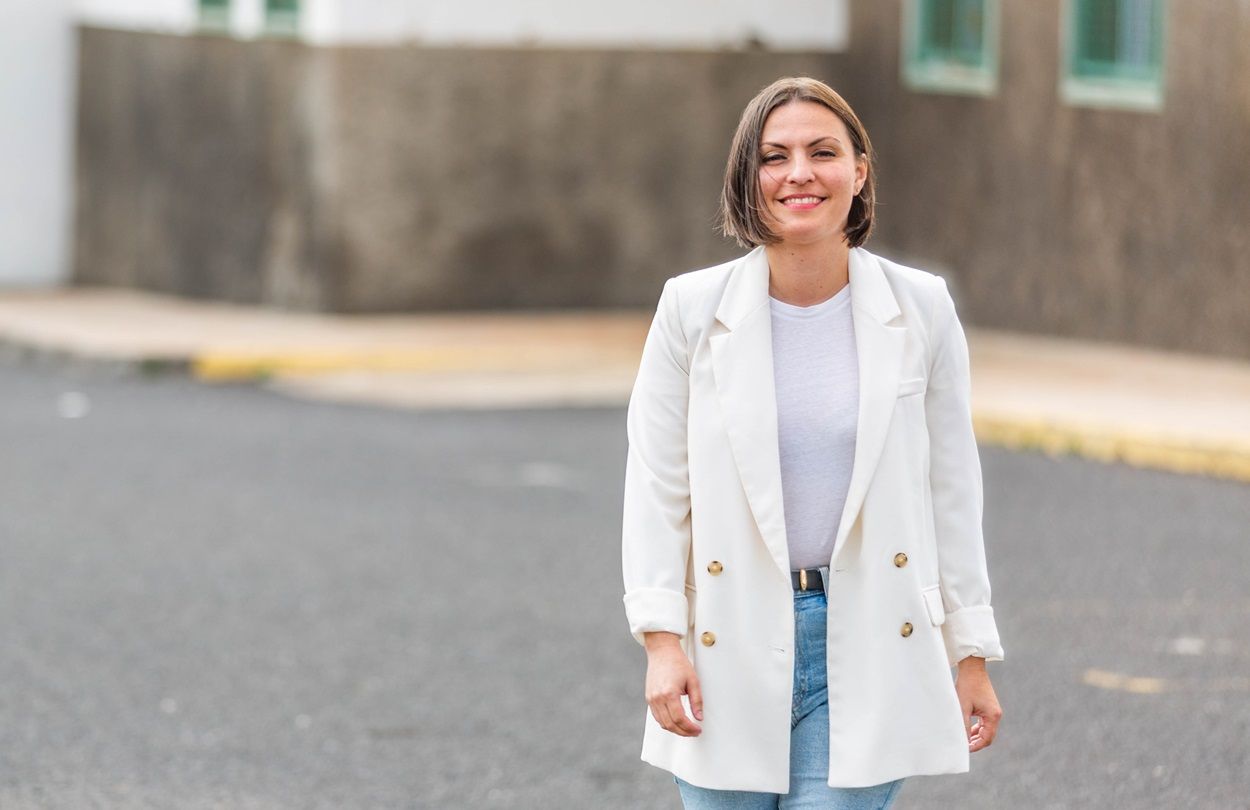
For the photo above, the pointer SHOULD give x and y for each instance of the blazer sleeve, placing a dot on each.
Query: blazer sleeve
(955, 485)
(656, 519)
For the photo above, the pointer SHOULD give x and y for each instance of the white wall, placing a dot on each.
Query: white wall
(149, 15)
(779, 24)
(36, 142)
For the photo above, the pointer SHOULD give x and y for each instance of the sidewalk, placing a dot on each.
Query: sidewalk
(1149, 408)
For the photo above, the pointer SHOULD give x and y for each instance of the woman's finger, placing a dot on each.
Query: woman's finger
(965, 708)
(982, 735)
(696, 697)
(681, 721)
(659, 710)
(989, 727)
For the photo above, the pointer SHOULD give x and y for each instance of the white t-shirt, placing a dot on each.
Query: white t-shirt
(816, 372)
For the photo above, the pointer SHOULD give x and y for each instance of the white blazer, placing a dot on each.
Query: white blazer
(704, 536)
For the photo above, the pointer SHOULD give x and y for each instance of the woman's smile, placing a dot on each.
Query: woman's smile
(801, 202)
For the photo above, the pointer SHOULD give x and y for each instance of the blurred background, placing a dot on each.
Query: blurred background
(318, 319)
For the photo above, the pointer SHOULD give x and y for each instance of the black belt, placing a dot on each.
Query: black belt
(809, 579)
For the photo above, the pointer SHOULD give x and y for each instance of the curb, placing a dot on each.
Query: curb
(224, 366)
(1170, 453)
(1228, 459)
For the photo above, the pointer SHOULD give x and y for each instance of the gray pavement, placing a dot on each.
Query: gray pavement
(219, 597)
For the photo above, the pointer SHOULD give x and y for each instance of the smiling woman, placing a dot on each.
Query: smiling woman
(771, 136)
(801, 543)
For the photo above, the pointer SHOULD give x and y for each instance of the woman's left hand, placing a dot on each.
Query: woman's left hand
(977, 699)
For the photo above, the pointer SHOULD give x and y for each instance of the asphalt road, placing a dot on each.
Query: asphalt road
(220, 597)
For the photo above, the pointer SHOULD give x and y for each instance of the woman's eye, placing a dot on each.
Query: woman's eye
(773, 158)
(826, 153)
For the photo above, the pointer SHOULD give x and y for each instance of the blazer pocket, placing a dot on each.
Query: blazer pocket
(914, 385)
(933, 601)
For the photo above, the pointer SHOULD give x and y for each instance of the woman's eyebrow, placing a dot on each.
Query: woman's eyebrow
(813, 143)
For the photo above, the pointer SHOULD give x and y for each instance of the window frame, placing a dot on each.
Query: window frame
(1082, 87)
(928, 74)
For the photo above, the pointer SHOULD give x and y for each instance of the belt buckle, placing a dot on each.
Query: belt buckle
(802, 579)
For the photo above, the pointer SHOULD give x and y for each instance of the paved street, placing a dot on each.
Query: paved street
(217, 596)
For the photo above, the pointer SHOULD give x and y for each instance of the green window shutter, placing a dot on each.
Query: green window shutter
(282, 16)
(953, 31)
(1115, 52)
(951, 45)
(215, 14)
(1118, 38)
(1096, 34)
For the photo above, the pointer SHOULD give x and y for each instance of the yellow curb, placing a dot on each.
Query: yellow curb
(1140, 449)
(233, 365)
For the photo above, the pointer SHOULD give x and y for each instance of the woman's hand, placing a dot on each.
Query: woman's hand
(977, 699)
(669, 676)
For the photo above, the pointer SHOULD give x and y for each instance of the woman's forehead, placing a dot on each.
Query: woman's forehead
(802, 119)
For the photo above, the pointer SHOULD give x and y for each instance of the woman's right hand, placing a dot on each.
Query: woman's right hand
(669, 676)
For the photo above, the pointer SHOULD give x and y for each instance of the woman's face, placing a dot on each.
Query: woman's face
(808, 173)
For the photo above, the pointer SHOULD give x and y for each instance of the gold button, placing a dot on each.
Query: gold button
(900, 559)
(714, 567)
(708, 638)
(906, 629)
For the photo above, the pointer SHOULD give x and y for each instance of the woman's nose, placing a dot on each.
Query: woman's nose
(800, 171)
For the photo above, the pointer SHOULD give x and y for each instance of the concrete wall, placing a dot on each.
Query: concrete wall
(374, 179)
(36, 142)
(1097, 223)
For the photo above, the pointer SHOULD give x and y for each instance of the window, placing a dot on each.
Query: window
(1114, 53)
(282, 17)
(215, 15)
(951, 46)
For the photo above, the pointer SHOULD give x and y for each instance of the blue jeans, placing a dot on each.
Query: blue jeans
(809, 736)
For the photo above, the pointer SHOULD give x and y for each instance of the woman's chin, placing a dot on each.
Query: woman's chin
(810, 234)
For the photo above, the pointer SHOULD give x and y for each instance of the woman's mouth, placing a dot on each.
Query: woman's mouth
(801, 202)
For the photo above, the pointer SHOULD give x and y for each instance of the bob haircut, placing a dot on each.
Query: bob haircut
(741, 209)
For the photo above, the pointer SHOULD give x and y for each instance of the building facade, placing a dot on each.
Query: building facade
(1077, 168)
(1074, 167)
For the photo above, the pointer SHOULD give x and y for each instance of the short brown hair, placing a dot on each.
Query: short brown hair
(741, 208)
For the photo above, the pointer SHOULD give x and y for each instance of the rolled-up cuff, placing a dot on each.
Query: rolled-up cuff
(651, 610)
(971, 631)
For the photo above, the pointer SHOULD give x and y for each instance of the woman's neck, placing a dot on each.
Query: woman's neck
(805, 275)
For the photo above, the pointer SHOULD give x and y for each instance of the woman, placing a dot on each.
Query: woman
(802, 548)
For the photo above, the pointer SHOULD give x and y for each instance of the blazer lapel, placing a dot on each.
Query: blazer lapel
(879, 349)
(742, 364)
